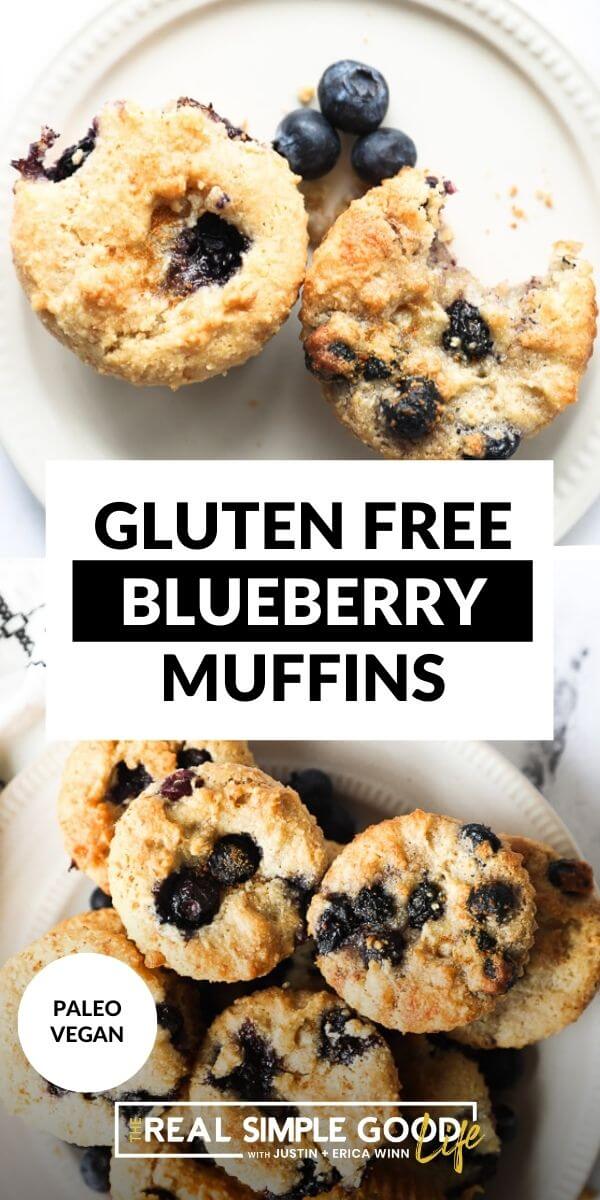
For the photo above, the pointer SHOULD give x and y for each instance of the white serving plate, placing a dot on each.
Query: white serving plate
(558, 1100)
(491, 100)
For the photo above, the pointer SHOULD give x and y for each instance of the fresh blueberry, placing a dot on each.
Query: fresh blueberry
(501, 1068)
(95, 1168)
(315, 790)
(187, 899)
(99, 899)
(571, 876)
(127, 782)
(381, 154)
(468, 332)
(170, 1018)
(426, 903)
(476, 834)
(411, 413)
(191, 756)
(312, 785)
(310, 144)
(497, 900)
(505, 1119)
(353, 96)
(209, 252)
(234, 859)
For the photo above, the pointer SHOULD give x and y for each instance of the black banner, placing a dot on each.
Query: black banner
(502, 612)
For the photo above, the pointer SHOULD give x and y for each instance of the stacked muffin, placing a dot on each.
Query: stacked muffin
(436, 951)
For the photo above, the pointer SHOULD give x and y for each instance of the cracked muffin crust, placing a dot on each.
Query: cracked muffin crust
(172, 1179)
(420, 360)
(101, 778)
(81, 1119)
(165, 247)
(421, 918)
(563, 972)
(283, 1045)
(212, 870)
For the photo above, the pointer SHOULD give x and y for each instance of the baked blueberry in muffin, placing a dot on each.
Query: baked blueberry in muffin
(420, 360)
(101, 778)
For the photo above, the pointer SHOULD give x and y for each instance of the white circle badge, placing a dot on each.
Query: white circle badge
(87, 1023)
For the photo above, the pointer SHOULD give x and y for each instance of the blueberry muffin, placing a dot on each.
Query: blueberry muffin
(88, 1120)
(391, 1180)
(421, 918)
(420, 360)
(282, 1045)
(433, 1072)
(100, 779)
(212, 870)
(563, 972)
(165, 247)
(172, 1179)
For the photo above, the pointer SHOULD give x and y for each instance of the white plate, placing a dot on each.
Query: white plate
(491, 100)
(558, 1102)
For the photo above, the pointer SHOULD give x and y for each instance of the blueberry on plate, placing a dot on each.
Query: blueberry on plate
(502, 1068)
(95, 1169)
(311, 146)
(315, 790)
(353, 96)
(506, 1122)
(381, 154)
(99, 899)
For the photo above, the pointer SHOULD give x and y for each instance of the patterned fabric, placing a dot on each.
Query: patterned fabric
(21, 626)
(22, 652)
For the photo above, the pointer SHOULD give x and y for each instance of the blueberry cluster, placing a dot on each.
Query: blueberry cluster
(191, 896)
(253, 1078)
(337, 1045)
(353, 97)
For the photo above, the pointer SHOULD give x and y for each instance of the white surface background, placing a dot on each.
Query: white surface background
(34, 32)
